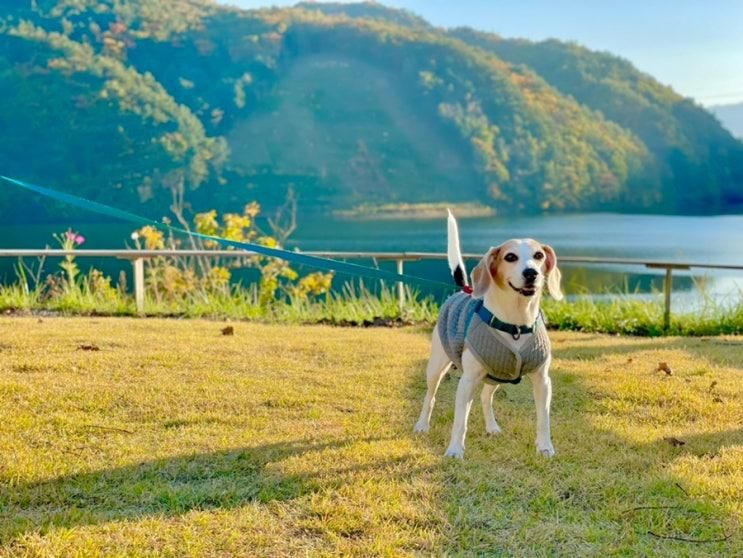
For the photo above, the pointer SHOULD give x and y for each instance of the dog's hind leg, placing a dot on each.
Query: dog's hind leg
(438, 365)
(486, 397)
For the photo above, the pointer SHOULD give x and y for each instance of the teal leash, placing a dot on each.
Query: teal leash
(326, 264)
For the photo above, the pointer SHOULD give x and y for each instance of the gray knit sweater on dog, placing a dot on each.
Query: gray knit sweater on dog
(460, 326)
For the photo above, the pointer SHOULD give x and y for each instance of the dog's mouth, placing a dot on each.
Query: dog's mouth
(527, 291)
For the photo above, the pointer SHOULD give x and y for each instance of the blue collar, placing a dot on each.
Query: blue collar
(489, 318)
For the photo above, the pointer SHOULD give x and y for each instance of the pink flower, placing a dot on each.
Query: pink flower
(70, 235)
(79, 239)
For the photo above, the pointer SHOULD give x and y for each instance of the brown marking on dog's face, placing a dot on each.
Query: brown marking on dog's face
(496, 265)
(550, 262)
(552, 273)
(486, 271)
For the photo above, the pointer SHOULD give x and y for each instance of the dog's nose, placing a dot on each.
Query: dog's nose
(530, 274)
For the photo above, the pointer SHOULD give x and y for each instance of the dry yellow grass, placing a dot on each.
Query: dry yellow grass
(173, 439)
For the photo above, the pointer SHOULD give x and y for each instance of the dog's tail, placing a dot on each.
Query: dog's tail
(453, 252)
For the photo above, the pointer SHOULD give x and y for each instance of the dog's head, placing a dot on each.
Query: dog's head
(520, 266)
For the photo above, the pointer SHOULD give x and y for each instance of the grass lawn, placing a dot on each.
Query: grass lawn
(173, 439)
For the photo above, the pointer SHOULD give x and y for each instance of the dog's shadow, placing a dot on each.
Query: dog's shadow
(171, 486)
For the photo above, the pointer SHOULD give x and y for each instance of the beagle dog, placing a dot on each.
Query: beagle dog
(495, 333)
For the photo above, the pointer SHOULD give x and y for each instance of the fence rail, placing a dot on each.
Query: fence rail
(137, 258)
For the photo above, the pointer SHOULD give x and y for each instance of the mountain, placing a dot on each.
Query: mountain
(731, 117)
(690, 148)
(147, 103)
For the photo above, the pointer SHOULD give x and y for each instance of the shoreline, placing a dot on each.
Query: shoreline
(413, 211)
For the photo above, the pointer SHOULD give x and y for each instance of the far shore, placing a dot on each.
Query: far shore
(417, 211)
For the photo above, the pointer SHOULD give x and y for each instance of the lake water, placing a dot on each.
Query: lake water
(666, 238)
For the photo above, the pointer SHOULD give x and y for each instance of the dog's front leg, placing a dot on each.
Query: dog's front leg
(542, 387)
(472, 375)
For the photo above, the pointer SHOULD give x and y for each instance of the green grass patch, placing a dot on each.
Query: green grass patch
(626, 315)
(617, 314)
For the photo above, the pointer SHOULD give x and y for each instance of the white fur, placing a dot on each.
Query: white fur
(453, 253)
(509, 306)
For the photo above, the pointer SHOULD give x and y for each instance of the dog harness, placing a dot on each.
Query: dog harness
(465, 322)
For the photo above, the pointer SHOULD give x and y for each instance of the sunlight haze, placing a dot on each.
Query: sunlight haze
(695, 47)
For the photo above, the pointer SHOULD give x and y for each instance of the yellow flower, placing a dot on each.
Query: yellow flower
(316, 283)
(313, 284)
(235, 225)
(219, 276)
(206, 223)
(153, 238)
(268, 242)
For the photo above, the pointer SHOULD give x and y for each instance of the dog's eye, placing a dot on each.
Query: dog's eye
(511, 257)
(539, 256)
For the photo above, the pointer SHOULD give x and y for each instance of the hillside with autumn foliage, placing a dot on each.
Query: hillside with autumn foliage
(135, 102)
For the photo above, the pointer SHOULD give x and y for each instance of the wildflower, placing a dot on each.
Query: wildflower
(220, 276)
(268, 241)
(153, 238)
(234, 226)
(79, 239)
(206, 223)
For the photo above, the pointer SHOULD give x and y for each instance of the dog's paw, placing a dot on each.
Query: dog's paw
(546, 450)
(493, 429)
(456, 452)
(421, 427)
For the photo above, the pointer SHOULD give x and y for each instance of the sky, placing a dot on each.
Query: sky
(695, 46)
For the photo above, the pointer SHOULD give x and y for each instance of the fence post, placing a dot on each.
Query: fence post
(139, 284)
(401, 286)
(667, 288)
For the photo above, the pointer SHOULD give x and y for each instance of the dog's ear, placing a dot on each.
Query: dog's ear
(482, 275)
(552, 272)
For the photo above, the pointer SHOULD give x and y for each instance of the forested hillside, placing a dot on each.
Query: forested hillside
(695, 161)
(137, 102)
